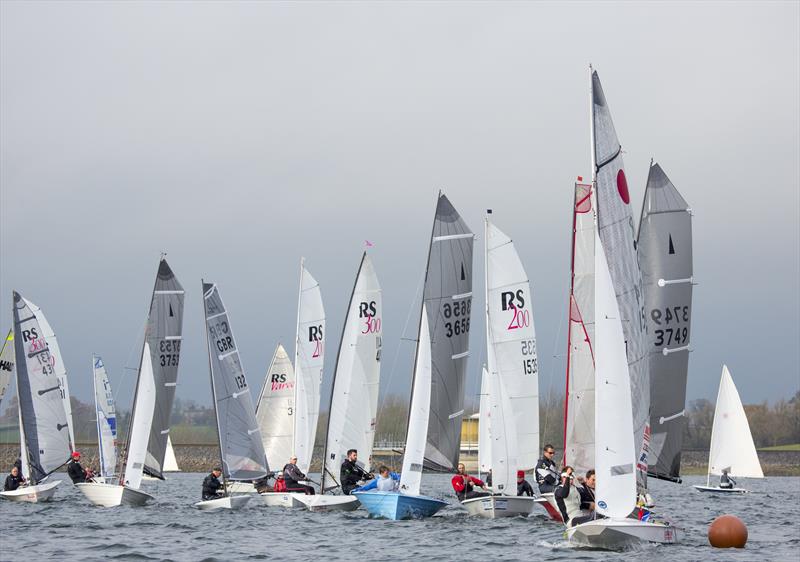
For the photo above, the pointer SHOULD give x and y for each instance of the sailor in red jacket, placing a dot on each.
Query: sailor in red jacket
(464, 484)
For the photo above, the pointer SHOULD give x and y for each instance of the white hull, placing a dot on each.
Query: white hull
(718, 490)
(32, 494)
(241, 488)
(320, 502)
(548, 502)
(228, 502)
(282, 499)
(112, 495)
(493, 507)
(620, 534)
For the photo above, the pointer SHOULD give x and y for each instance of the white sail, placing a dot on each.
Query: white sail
(6, 364)
(354, 396)
(275, 411)
(170, 462)
(504, 448)
(615, 453)
(511, 342)
(579, 430)
(484, 425)
(144, 408)
(308, 363)
(732, 446)
(419, 411)
(58, 366)
(106, 418)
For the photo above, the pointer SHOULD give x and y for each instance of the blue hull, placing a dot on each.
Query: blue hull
(393, 505)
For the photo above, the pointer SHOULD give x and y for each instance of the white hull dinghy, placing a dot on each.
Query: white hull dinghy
(227, 502)
(319, 502)
(112, 495)
(493, 507)
(718, 490)
(32, 494)
(282, 499)
(620, 534)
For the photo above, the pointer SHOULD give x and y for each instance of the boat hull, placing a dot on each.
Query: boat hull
(548, 502)
(241, 488)
(718, 490)
(282, 499)
(112, 495)
(228, 502)
(493, 507)
(394, 505)
(32, 494)
(620, 534)
(320, 502)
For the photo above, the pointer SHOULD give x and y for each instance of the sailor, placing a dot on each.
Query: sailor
(351, 472)
(386, 481)
(587, 506)
(568, 497)
(524, 487)
(726, 482)
(212, 487)
(14, 480)
(546, 471)
(280, 484)
(76, 472)
(293, 475)
(464, 485)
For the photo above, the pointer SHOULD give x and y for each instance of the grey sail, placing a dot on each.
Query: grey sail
(6, 364)
(448, 301)
(615, 224)
(240, 442)
(665, 257)
(164, 332)
(44, 420)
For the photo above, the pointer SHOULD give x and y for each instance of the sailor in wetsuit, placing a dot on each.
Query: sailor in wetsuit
(546, 471)
(524, 487)
(726, 481)
(14, 480)
(293, 475)
(74, 469)
(212, 487)
(351, 472)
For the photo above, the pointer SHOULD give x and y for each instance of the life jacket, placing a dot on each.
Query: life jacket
(280, 485)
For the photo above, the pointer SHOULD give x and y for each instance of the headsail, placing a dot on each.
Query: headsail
(240, 443)
(732, 446)
(170, 462)
(579, 407)
(615, 225)
(308, 364)
(6, 364)
(144, 404)
(665, 257)
(354, 395)
(44, 421)
(106, 418)
(448, 301)
(276, 409)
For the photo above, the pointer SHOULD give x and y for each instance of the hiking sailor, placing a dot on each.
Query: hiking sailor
(351, 472)
(546, 471)
(293, 476)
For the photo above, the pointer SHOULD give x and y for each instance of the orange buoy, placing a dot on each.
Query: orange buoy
(727, 531)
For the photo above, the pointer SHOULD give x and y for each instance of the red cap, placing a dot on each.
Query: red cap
(520, 474)
(76, 455)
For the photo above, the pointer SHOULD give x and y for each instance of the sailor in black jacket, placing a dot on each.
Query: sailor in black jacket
(351, 473)
(212, 486)
(546, 471)
(13, 480)
(74, 469)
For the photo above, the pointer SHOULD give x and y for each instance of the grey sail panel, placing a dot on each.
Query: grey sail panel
(44, 419)
(164, 333)
(6, 364)
(615, 224)
(240, 442)
(448, 300)
(665, 257)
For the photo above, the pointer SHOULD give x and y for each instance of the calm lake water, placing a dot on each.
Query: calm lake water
(69, 529)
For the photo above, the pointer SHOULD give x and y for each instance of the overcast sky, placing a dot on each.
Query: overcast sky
(239, 137)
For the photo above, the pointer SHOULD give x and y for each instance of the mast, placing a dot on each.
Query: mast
(213, 390)
(24, 454)
(297, 358)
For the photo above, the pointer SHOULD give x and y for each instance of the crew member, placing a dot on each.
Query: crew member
(212, 487)
(386, 481)
(351, 473)
(293, 475)
(726, 481)
(76, 472)
(524, 487)
(464, 485)
(587, 506)
(568, 497)
(546, 471)
(14, 480)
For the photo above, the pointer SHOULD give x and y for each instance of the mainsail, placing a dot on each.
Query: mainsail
(354, 394)
(579, 407)
(308, 363)
(276, 408)
(512, 361)
(106, 418)
(665, 258)
(484, 424)
(448, 301)
(240, 443)
(46, 441)
(615, 226)
(6, 364)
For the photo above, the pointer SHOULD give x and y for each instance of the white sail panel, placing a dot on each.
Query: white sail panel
(276, 409)
(170, 462)
(106, 418)
(142, 422)
(732, 446)
(512, 345)
(416, 436)
(484, 425)
(503, 435)
(354, 396)
(579, 430)
(615, 455)
(308, 364)
(7, 370)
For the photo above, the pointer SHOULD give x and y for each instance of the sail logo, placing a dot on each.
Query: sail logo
(315, 336)
(278, 382)
(30, 335)
(515, 301)
(6, 365)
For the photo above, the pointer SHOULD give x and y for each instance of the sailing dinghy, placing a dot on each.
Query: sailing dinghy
(732, 446)
(511, 378)
(353, 407)
(433, 435)
(106, 421)
(152, 401)
(240, 446)
(44, 430)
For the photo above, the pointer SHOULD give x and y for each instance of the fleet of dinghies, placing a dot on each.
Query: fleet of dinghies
(628, 338)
